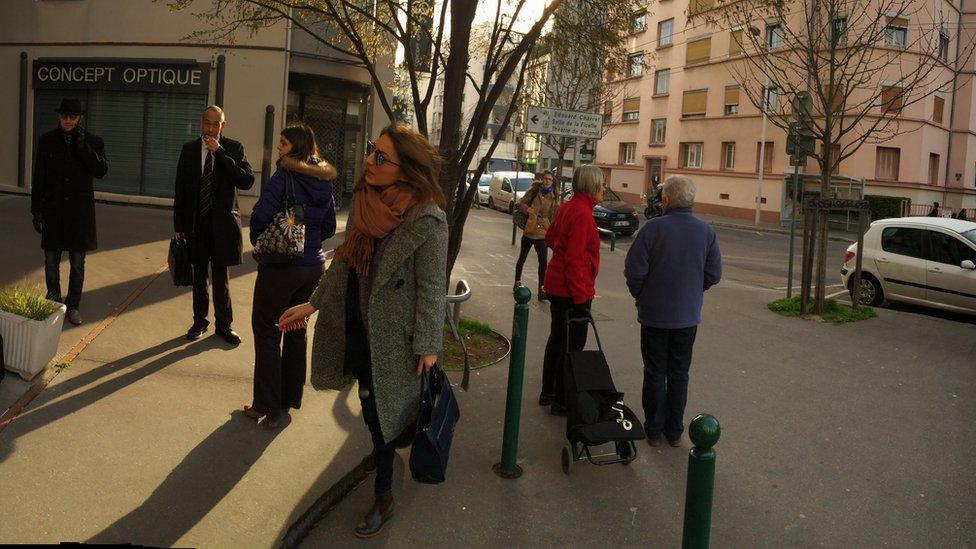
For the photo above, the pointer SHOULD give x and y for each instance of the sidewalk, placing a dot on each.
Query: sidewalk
(823, 427)
(737, 223)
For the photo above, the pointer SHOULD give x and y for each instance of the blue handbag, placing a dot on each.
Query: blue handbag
(435, 428)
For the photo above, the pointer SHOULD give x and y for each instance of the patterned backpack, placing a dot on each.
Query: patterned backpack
(284, 239)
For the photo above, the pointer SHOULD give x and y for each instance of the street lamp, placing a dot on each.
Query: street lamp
(762, 140)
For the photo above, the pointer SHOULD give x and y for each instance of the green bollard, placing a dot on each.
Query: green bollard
(507, 468)
(704, 432)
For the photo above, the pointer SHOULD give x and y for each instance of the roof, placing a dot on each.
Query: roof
(957, 225)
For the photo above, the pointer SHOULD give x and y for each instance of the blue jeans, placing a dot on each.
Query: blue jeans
(667, 359)
(76, 278)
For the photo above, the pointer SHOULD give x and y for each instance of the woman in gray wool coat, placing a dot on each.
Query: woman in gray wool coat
(384, 298)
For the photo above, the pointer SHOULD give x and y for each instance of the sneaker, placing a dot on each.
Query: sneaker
(74, 317)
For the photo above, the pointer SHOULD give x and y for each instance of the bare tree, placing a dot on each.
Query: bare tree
(587, 41)
(372, 31)
(860, 61)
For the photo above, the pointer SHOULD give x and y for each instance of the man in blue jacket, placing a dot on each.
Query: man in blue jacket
(674, 259)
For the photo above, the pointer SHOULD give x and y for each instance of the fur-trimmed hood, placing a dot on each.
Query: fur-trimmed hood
(318, 169)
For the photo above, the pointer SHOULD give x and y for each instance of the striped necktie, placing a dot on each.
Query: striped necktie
(206, 186)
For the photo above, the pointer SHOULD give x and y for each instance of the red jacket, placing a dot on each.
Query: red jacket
(575, 244)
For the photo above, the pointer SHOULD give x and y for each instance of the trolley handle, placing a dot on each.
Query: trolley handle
(588, 319)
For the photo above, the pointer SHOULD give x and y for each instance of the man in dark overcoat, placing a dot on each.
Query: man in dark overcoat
(210, 171)
(63, 201)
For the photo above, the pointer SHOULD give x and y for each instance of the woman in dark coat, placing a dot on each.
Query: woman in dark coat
(383, 298)
(571, 279)
(63, 200)
(279, 371)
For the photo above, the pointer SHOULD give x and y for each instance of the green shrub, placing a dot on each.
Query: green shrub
(883, 207)
(27, 302)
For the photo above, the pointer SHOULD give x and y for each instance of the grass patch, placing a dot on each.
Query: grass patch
(484, 345)
(26, 301)
(834, 312)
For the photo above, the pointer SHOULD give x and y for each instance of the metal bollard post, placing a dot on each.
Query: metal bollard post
(704, 432)
(507, 468)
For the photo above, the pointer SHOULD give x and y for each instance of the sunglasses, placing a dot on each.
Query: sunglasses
(381, 157)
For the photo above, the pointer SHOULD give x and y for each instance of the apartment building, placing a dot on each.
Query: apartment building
(687, 114)
(144, 84)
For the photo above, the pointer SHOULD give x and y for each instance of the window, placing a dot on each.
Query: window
(767, 154)
(892, 98)
(728, 155)
(943, 46)
(661, 81)
(639, 23)
(774, 36)
(665, 30)
(693, 103)
(838, 31)
(896, 32)
(631, 109)
(608, 112)
(698, 51)
(698, 6)
(735, 43)
(886, 163)
(771, 99)
(947, 249)
(835, 97)
(636, 63)
(691, 155)
(659, 130)
(628, 153)
(933, 168)
(938, 106)
(902, 241)
(731, 100)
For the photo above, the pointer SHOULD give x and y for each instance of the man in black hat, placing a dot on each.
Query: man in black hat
(63, 200)
(210, 171)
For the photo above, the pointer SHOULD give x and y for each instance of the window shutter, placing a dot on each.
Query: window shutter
(897, 22)
(891, 99)
(171, 120)
(698, 51)
(694, 102)
(631, 105)
(732, 95)
(938, 108)
(117, 117)
(698, 6)
(735, 43)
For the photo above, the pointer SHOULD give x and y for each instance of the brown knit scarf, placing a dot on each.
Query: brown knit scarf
(379, 211)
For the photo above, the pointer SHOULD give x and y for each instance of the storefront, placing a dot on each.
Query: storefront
(144, 110)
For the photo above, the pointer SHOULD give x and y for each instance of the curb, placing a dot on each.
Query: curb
(771, 230)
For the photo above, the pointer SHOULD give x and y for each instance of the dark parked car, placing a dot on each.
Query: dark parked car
(613, 214)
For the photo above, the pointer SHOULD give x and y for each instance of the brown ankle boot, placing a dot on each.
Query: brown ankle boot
(376, 517)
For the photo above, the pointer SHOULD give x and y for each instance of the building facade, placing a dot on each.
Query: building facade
(145, 81)
(688, 115)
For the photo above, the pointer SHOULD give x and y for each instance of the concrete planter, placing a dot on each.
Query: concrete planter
(28, 345)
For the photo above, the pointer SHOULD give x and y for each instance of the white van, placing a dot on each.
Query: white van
(507, 188)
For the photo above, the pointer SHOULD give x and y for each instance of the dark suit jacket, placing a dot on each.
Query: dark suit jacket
(231, 172)
(62, 190)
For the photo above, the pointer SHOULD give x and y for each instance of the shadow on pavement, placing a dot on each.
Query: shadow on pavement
(37, 417)
(204, 477)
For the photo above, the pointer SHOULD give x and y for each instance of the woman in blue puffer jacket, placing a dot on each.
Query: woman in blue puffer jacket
(279, 370)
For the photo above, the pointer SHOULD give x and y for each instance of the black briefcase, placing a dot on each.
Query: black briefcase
(435, 428)
(180, 265)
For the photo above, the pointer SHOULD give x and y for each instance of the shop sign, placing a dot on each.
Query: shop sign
(178, 76)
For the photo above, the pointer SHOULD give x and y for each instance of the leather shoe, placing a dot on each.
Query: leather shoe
(196, 331)
(74, 317)
(655, 441)
(376, 517)
(675, 442)
(230, 336)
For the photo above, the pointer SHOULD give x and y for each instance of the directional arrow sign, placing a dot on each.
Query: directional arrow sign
(564, 123)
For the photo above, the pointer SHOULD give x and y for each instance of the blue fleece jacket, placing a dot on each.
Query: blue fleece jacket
(311, 192)
(673, 260)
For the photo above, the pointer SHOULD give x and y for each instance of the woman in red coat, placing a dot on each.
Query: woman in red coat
(570, 279)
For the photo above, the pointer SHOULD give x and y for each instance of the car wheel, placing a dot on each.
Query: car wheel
(871, 292)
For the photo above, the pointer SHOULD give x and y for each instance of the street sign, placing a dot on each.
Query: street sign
(564, 123)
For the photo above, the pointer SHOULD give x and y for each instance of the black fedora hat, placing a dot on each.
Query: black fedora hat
(70, 106)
